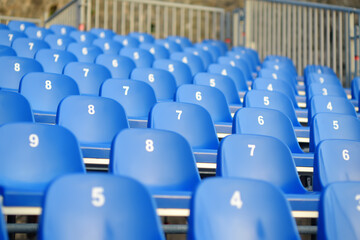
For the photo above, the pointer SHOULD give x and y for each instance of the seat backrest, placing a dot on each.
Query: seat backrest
(41, 154)
(54, 60)
(44, 91)
(62, 29)
(333, 126)
(212, 99)
(136, 97)
(108, 46)
(88, 76)
(318, 89)
(224, 83)
(218, 43)
(94, 120)
(276, 85)
(179, 70)
(60, 42)
(142, 58)
(14, 108)
(247, 59)
(98, 206)
(268, 122)
(336, 161)
(280, 64)
(184, 42)
(234, 73)
(8, 36)
(3, 230)
(83, 37)
(194, 62)
(119, 66)
(20, 26)
(142, 37)
(339, 212)
(272, 100)
(37, 32)
(84, 52)
(162, 82)
(258, 157)
(157, 50)
(161, 160)
(329, 104)
(169, 45)
(239, 63)
(13, 69)
(6, 51)
(127, 41)
(28, 47)
(204, 55)
(279, 75)
(323, 78)
(253, 209)
(190, 120)
(103, 33)
(213, 50)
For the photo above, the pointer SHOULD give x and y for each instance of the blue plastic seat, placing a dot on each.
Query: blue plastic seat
(141, 57)
(161, 160)
(213, 50)
(60, 42)
(194, 62)
(339, 212)
(323, 78)
(45, 90)
(184, 42)
(127, 41)
(27, 47)
(157, 50)
(326, 126)
(228, 208)
(169, 45)
(8, 36)
(162, 82)
(61, 29)
(336, 161)
(244, 57)
(280, 63)
(84, 52)
(212, 99)
(26, 168)
(98, 206)
(190, 120)
(218, 43)
(278, 86)
(251, 54)
(272, 100)
(234, 73)
(54, 60)
(316, 69)
(279, 75)
(6, 51)
(136, 97)
(204, 55)
(355, 88)
(14, 108)
(318, 89)
(83, 37)
(37, 32)
(88, 76)
(268, 122)
(3, 230)
(224, 83)
(259, 157)
(119, 66)
(13, 69)
(94, 120)
(103, 33)
(179, 70)
(3, 26)
(108, 46)
(20, 26)
(142, 37)
(321, 104)
(239, 63)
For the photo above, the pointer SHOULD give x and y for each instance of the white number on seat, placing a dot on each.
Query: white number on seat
(86, 71)
(212, 82)
(321, 79)
(97, 196)
(91, 109)
(48, 85)
(252, 148)
(232, 63)
(151, 77)
(17, 67)
(275, 76)
(126, 89)
(236, 200)
(324, 92)
(329, 106)
(277, 67)
(198, 96)
(22, 27)
(224, 72)
(31, 45)
(82, 38)
(136, 55)
(179, 112)
(59, 42)
(171, 67)
(270, 87)
(10, 35)
(102, 35)
(33, 140)
(184, 60)
(149, 145)
(261, 120)
(357, 198)
(345, 154)
(336, 125)
(106, 46)
(84, 51)
(38, 34)
(115, 63)
(63, 31)
(56, 57)
(266, 100)
(125, 42)
(152, 50)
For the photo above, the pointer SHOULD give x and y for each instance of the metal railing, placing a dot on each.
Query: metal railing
(159, 18)
(68, 15)
(308, 33)
(238, 27)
